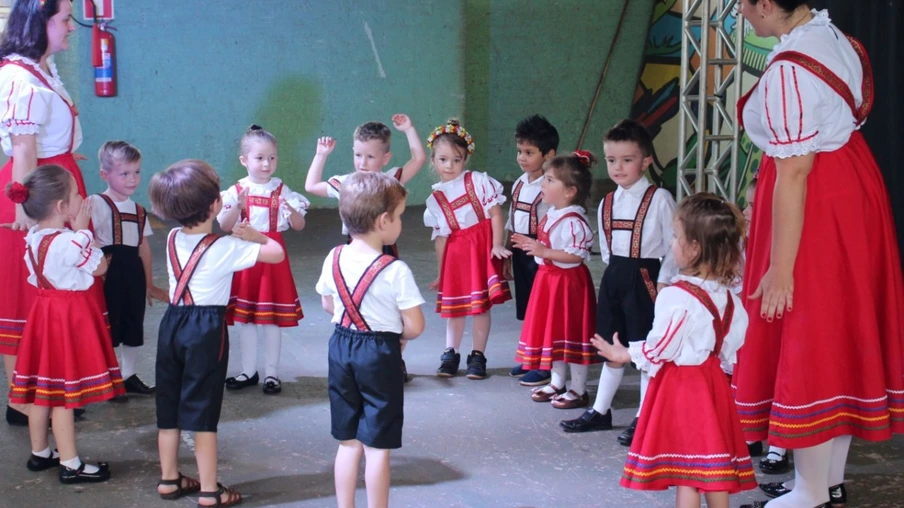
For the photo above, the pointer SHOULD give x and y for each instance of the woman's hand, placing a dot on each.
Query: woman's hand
(79, 157)
(776, 290)
(615, 352)
(21, 222)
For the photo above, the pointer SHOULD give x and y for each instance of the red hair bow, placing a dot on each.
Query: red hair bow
(17, 193)
(584, 155)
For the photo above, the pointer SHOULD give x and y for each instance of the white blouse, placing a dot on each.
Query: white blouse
(32, 108)
(519, 220)
(791, 111)
(572, 235)
(71, 259)
(489, 193)
(259, 216)
(683, 332)
(102, 222)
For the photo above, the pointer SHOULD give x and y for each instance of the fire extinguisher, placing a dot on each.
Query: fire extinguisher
(103, 56)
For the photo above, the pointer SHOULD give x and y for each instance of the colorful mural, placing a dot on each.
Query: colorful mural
(656, 96)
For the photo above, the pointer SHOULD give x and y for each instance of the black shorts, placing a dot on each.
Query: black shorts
(524, 271)
(125, 292)
(192, 356)
(365, 385)
(627, 299)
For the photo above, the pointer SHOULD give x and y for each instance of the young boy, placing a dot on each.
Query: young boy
(635, 224)
(375, 303)
(193, 345)
(537, 141)
(120, 227)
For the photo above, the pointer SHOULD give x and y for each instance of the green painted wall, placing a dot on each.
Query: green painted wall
(193, 75)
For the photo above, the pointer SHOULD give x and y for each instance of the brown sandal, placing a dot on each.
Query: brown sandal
(191, 486)
(541, 395)
(573, 402)
(233, 497)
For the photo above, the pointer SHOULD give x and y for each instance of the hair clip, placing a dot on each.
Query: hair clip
(450, 128)
(17, 193)
(583, 155)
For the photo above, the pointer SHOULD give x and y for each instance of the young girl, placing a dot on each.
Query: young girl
(467, 223)
(689, 432)
(264, 298)
(561, 313)
(66, 358)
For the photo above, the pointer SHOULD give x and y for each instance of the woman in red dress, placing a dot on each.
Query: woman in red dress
(823, 360)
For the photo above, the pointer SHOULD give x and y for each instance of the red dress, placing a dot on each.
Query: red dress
(561, 313)
(265, 294)
(66, 355)
(689, 433)
(834, 365)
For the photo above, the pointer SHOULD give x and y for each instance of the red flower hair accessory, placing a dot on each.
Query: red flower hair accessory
(17, 193)
(584, 155)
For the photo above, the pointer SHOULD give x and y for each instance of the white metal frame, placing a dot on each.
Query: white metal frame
(702, 100)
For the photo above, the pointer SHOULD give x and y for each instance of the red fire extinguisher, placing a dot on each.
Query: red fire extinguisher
(102, 58)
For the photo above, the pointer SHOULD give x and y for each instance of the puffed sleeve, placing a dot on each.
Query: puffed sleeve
(791, 101)
(574, 236)
(230, 198)
(734, 339)
(434, 219)
(333, 185)
(80, 253)
(296, 201)
(670, 328)
(27, 107)
(488, 190)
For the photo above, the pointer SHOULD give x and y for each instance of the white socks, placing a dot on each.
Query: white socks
(272, 338)
(579, 378)
(840, 447)
(129, 360)
(272, 348)
(811, 478)
(557, 373)
(248, 340)
(46, 453)
(610, 379)
(76, 463)
(644, 383)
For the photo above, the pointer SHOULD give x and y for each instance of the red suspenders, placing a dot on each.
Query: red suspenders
(352, 300)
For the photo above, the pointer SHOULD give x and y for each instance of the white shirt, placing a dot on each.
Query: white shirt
(519, 220)
(572, 235)
(334, 185)
(792, 112)
(70, 260)
(102, 222)
(487, 189)
(393, 290)
(211, 282)
(260, 215)
(656, 234)
(32, 108)
(683, 332)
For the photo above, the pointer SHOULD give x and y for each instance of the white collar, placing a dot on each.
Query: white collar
(269, 186)
(637, 190)
(440, 185)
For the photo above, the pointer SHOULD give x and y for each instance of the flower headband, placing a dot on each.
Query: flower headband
(451, 128)
(17, 193)
(583, 155)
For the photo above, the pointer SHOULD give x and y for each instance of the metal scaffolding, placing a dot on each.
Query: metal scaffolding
(707, 131)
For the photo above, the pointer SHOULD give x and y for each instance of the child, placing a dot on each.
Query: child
(537, 141)
(689, 434)
(561, 311)
(193, 344)
(66, 357)
(465, 214)
(375, 303)
(264, 298)
(635, 223)
(120, 226)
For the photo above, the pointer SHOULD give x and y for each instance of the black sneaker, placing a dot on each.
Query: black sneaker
(241, 381)
(135, 385)
(450, 361)
(518, 371)
(36, 463)
(477, 365)
(69, 476)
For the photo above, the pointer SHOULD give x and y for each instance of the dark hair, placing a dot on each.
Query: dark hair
(452, 138)
(788, 6)
(574, 171)
(631, 131)
(373, 130)
(254, 133)
(717, 227)
(537, 131)
(185, 191)
(365, 196)
(46, 185)
(26, 28)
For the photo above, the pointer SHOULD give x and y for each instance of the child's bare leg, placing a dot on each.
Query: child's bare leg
(37, 428)
(63, 431)
(455, 329)
(480, 329)
(404, 344)
(345, 472)
(716, 499)
(9, 365)
(376, 477)
(168, 448)
(687, 497)
(206, 456)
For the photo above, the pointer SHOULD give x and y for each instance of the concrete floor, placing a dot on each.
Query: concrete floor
(467, 443)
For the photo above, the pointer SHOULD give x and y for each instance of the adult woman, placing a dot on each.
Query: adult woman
(822, 242)
(39, 125)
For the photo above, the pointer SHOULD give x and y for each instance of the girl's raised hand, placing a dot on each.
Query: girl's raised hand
(325, 145)
(401, 122)
(243, 198)
(614, 352)
(82, 218)
(530, 246)
(287, 206)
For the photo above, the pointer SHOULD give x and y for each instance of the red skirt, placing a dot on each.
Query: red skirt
(835, 364)
(265, 294)
(560, 319)
(66, 355)
(470, 281)
(689, 434)
(17, 294)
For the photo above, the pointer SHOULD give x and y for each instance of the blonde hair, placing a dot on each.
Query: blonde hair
(112, 153)
(365, 196)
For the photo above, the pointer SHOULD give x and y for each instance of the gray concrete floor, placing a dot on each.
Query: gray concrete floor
(466, 443)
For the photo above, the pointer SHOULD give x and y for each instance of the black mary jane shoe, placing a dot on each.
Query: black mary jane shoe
(36, 463)
(837, 496)
(242, 381)
(770, 465)
(774, 489)
(627, 435)
(70, 476)
(272, 385)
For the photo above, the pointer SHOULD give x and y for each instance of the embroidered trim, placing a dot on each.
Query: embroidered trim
(38, 265)
(543, 233)
(648, 282)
